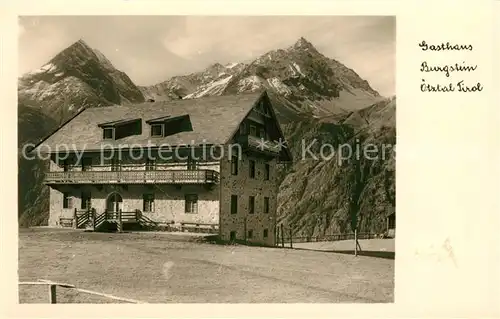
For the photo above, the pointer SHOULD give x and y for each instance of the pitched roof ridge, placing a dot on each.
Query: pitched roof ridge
(213, 120)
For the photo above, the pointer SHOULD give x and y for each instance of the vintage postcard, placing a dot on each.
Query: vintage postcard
(239, 157)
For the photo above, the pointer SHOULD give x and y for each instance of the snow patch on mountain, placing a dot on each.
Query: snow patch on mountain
(42, 91)
(49, 67)
(231, 65)
(212, 88)
(250, 84)
(297, 67)
(279, 86)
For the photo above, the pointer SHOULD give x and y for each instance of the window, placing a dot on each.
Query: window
(243, 129)
(191, 206)
(251, 204)
(232, 236)
(262, 133)
(267, 172)
(234, 165)
(266, 205)
(86, 164)
(392, 221)
(115, 164)
(191, 164)
(234, 204)
(252, 169)
(266, 109)
(266, 233)
(150, 164)
(253, 130)
(108, 133)
(250, 234)
(86, 201)
(148, 202)
(67, 201)
(261, 106)
(157, 130)
(65, 165)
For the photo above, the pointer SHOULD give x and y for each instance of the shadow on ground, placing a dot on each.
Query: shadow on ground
(367, 253)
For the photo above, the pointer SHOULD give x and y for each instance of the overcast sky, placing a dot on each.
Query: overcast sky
(150, 49)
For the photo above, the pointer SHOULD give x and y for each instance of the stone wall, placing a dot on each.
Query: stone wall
(243, 186)
(169, 201)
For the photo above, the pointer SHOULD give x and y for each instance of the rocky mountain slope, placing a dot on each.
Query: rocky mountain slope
(319, 194)
(33, 195)
(316, 97)
(77, 77)
(184, 85)
(301, 78)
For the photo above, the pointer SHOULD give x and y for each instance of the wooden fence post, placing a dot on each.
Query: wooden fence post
(277, 235)
(120, 226)
(75, 220)
(291, 244)
(282, 236)
(245, 230)
(52, 294)
(355, 242)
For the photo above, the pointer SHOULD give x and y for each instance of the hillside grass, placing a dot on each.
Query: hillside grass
(165, 268)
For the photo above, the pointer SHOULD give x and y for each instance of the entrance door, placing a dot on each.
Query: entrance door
(114, 203)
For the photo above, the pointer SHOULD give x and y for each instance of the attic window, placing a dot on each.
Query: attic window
(157, 130)
(121, 128)
(108, 133)
(166, 125)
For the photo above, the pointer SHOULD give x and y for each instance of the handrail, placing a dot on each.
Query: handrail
(52, 291)
(205, 176)
(260, 143)
(96, 220)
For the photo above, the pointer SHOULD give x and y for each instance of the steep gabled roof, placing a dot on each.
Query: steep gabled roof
(214, 119)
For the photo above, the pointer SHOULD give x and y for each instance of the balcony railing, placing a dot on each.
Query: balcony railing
(259, 144)
(133, 177)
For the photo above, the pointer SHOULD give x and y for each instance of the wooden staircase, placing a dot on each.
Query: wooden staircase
(90, 220)
(83, 218)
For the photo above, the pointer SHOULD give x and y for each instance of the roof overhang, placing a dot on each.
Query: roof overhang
(117, 123)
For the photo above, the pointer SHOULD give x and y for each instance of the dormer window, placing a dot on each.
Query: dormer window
(118, 129)
(108, 133)
(157, 130)
(167, 125)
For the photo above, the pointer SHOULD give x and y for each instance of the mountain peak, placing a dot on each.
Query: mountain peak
(77, 53)
(80, 44)
(303, 44)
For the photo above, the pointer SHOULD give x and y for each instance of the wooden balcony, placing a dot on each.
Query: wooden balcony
(253, 143)
(133, 177)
